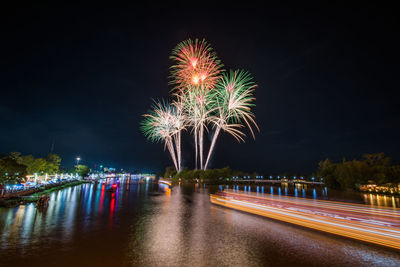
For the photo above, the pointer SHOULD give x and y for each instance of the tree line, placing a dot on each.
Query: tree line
(209, 175)
(350, 174)
(347, 174)
(15, 167)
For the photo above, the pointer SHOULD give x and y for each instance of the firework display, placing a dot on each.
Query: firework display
(232, 102)
(164, 123)
(196, 66)
(205, 97)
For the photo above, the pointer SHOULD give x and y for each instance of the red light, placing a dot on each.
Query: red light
(114, 186)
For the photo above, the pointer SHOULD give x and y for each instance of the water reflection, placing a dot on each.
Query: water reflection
(186, 230)
(88, 201)
(318, 192)
(146, 224)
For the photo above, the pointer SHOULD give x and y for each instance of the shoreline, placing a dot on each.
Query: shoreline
(35, 195)
(387, 193)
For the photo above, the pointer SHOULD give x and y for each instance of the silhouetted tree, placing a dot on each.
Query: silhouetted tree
(11, 171)
(350, 174)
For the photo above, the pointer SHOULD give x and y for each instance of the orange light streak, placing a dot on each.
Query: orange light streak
(361, 230)
(161, 181)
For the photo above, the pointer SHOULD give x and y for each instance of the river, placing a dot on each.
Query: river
(146, 224)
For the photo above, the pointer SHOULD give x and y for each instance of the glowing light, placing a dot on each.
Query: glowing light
(201, 99)
(375, 225)
(232, 106)
(194, 62)
(164, 123)
(230, 87)
(203, 95)
(162, 181)
(196, 79)
(194, 55)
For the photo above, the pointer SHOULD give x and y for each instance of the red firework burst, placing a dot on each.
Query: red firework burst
(196, 65)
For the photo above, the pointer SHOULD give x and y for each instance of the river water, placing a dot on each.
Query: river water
(146, 224)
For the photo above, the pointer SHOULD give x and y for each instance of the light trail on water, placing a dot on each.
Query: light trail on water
(378, 225)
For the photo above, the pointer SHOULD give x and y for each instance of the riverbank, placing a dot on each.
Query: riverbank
(261, 182)
(34, 195)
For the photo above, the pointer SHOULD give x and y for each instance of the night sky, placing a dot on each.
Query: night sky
(328, 83)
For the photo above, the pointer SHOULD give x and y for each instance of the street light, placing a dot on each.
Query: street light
(77, 160)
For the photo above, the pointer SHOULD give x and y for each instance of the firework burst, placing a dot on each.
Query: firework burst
(164, 123)
(232, 102)
(195, 66)
(203, 94)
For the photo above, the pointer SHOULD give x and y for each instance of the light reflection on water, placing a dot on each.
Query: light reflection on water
(151, 225)
(319, 192)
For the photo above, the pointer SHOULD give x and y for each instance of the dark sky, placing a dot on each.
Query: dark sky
(328, 83)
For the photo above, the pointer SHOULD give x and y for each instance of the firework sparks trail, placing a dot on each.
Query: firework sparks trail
(232, 103)
(196, 146)
(201, 135)
(198, 113)
(162, 124)
(196, 70)
(180, 124)
(203, 94)
(171, 150)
